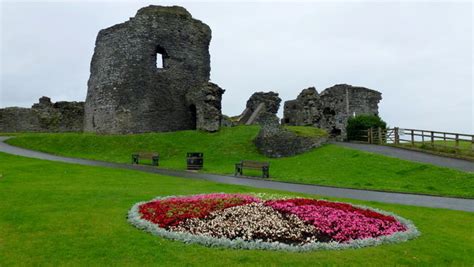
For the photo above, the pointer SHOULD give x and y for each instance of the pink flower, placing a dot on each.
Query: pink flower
(340, 222)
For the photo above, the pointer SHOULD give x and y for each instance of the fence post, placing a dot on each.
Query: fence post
(472, 143)
(369, 135)
(457, 141)
(397, 137)
(422, 137)
(412, 138)
(432, 139)
(380, 135)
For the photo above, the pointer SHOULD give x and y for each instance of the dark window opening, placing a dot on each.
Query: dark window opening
(335, 131)
(328, 111)
(192, 110)
(160, 57)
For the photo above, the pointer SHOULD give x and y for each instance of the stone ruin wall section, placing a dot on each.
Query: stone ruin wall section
(44, 116)
(331, 109)
(127, 93)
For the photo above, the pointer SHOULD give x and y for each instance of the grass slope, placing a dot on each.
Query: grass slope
(329, 165)
(307, 131)
(465, 148)
(63, 214)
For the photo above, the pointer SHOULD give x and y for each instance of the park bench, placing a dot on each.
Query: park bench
(255, 165)
(155, 157)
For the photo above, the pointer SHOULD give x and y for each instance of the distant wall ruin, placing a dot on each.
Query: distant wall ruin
(259, 105)
(44, 116)
(331, 109)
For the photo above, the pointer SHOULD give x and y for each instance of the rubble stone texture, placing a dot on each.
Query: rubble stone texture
(252, 114)
(275, 141)
(207, 104)
(128, 92)
(331, 109)
(44, 116)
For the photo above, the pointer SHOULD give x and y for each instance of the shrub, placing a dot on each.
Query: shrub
(360, 123)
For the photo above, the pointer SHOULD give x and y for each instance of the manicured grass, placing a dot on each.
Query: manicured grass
(307, 131)
(464, 149)
(329, 165)
(63, 214)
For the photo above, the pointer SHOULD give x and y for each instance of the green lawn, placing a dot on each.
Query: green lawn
(329, 165)
(63, 214)
(307, 131)
(445, 147)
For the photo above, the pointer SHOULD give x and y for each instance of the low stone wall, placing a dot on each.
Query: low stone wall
(275, 141)
(286, 144)
(44, 116)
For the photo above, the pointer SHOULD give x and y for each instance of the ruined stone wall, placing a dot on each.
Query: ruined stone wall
(252, 114)
(206, 102)
(304, 110)
(271, 99)
(44, 116)
(275, 141)
(331, 109)
(128, 93)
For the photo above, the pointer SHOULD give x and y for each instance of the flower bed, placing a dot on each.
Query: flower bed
(339, 221)
(173, 210)
(251, 221)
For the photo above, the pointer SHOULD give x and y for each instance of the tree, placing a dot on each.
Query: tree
(358, 125)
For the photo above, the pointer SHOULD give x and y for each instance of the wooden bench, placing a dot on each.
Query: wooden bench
(255, 165)
(155, 157)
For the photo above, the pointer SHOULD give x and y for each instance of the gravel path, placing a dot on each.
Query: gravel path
(459, 164)
(397, 198)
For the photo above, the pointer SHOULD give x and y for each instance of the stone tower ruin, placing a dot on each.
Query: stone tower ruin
(151, 74)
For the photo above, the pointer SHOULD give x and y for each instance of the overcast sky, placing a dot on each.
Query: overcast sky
(419, 55)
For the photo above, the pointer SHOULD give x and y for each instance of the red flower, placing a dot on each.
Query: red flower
(172, 211)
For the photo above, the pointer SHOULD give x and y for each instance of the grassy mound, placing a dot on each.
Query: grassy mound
(330, 165)
(63, 214)
(307, 131)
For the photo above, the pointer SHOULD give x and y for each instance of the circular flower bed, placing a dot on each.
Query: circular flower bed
(259, 221)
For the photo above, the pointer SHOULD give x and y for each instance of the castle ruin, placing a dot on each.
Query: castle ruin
(259, 105)
(151, 74)
(44, 116)
(331, 109)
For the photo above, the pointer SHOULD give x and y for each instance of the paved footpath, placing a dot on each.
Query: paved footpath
(397, 198)
(459, 164)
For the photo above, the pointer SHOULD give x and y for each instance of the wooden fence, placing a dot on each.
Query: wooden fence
(416, 137)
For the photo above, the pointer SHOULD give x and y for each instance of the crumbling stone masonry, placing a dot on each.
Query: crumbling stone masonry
(151, 73)
(275, 141)
(331, 109)
(44, 116)
(206, 103)
(259, 105)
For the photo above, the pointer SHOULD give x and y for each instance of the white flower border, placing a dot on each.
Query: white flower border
(134, 217)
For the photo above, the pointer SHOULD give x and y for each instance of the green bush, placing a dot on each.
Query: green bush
(356, 126)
